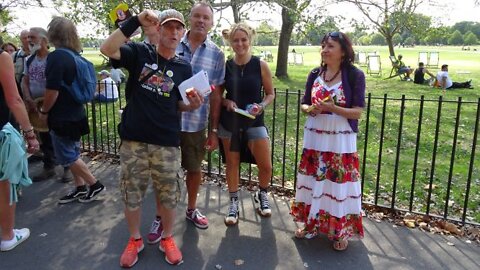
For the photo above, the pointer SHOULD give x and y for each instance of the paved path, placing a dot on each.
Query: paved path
(92, 236)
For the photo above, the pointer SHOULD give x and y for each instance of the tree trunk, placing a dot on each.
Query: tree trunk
(283, 43)
(236, 13)
(389, 40)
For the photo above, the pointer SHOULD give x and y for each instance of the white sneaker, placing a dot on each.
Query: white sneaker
(18, 237)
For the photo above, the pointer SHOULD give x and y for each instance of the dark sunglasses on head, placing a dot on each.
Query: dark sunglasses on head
(335, 35)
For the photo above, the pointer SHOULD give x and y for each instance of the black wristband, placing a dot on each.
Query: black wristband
(130, 26)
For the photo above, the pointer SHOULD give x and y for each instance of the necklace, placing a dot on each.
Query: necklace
(331, 79)
(242, 68)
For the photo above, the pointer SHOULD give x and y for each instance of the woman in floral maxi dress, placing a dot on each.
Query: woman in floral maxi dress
(328, 191)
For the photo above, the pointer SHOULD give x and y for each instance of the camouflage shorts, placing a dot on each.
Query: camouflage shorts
(139, 162)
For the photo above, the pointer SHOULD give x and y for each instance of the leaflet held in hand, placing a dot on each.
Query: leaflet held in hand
(198, 81)
(244, 113)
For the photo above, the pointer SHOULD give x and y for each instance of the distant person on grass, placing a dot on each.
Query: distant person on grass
(11, 104)
(419, 76)
(444, 81)
(107, 90)
(328, 197)
(150, 125)
(402, 68)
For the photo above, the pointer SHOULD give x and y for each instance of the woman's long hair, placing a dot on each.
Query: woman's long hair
(63, 33)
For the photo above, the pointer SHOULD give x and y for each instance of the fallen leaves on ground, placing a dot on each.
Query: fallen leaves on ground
(424, 223)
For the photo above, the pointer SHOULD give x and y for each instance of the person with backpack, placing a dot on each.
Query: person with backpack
(150, 125)
(19, 59)
(33, 88)
(328, 190)
(62, 109)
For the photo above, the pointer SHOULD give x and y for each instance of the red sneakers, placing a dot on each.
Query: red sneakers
(172, 253)
(199, 220)
(155, 232)
(130, 254)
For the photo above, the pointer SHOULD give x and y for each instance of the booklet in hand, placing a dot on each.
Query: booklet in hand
(244, 113)
(198, 81)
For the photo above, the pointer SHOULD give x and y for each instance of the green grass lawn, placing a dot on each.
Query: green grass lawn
(387, 173)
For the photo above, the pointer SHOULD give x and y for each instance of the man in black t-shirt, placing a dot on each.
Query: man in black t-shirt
(150, 125)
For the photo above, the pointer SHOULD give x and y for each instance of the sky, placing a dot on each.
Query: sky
(447, 12)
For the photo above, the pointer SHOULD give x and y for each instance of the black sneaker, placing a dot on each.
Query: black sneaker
(263, 210)
(93, 191)
(74, 195)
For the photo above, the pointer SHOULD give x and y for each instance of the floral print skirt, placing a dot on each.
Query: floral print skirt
(328, 191)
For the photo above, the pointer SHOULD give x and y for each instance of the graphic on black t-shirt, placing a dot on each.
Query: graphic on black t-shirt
(158, 82)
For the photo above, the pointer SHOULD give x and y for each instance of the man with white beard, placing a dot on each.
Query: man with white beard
(19, 58)
(33, 87)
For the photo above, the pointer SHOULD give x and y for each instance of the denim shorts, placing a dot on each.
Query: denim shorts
(67, 151)
(253, 133)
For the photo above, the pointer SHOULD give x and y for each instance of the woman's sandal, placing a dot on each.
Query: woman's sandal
(300, 233)
(340, 245)
(304, 234)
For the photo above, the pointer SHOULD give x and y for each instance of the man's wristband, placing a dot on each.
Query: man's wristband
(214, 130)
(130, 26)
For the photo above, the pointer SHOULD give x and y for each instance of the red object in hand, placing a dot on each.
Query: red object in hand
(190, 92)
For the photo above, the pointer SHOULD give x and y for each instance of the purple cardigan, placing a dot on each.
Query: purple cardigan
(353, 97)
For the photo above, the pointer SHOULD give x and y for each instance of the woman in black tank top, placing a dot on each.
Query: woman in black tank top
(245, 76)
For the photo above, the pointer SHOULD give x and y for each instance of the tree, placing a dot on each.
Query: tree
(266, 34)
(291, 12)
(397, 38)
(438, 35)
(465, 26)
(6, 6)
(456, 38)
(470, 38)
(377, 39)
(388, 16)
(365, 40)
